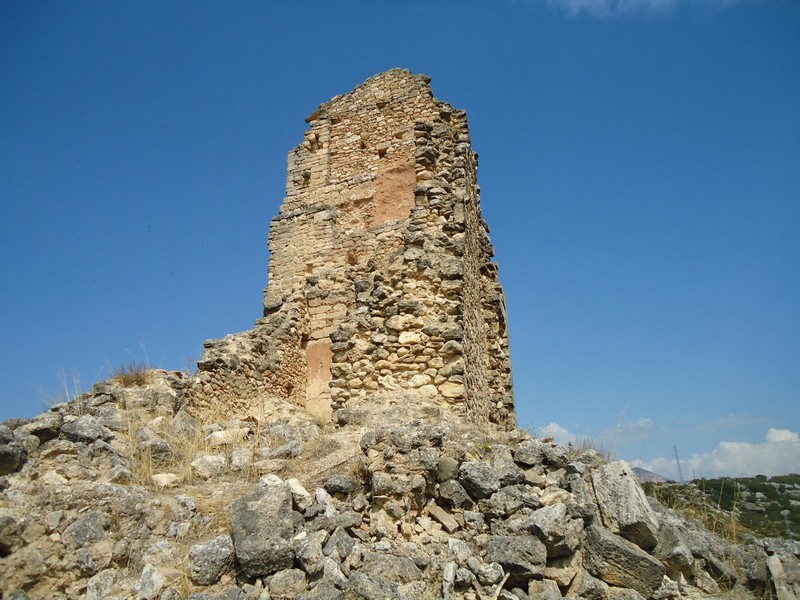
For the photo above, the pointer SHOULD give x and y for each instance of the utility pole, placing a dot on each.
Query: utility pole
(678, 462)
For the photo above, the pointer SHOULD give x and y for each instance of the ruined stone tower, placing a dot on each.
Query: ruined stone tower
(380, 277)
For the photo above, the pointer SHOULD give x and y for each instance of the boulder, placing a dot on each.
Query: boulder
(341, 484)
(366, 587)
(287, 583)
(543, 589)
(538, 452)
(479, 479)
(308, 550)
(11, 531)
(100, 585)
(87, 529)
(12, 453)
(615, 593)
(523, 556)
(560, 533)
(151, 583)
(165, 480)
(324, 590)
(447, 469)
(339, 545)
(443, 517)
(85, 430)
(300, 495)
(587, 587)
(209, 561)
(261, 526)
(624, 508)
(454, 494)
(621, 563)
(208, 465)
(46, 426)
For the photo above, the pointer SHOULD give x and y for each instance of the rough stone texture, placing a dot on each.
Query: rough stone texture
(84, 429)
(12, 453)
(544, 589)
(208, 466)
(556, 530)
(380, 276)
(523, 555)
(287, 583)
(623, 506)
(479, 479)
(210, 560)
(621, 563)
(261, 527)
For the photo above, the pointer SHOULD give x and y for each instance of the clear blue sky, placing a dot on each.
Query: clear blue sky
(640, 172)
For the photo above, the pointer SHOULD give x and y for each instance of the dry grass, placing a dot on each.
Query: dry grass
(584, 444)
(185, 450)
(693, 503)
(133, 374)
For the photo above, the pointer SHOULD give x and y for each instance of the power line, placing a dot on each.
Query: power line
(678, 462)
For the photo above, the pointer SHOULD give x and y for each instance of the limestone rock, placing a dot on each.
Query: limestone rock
(559, 533)
(100, 585)
(588, 587)
(12, 453)
(151, 583)
(454, 494)
(45, 427)
(623, 506)
(208, 561)
(287, 584)
(339, 545)
(87, 529)
(11, 530)
(85, 429)
(261, 527)
(165, 480)
(621, 563)
(534, 451)
(544, 589)
(208, 465)
(479, 479)
(441, 515)
(521, 555)
(308, 551)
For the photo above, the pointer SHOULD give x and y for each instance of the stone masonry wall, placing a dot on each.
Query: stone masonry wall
(380, 278)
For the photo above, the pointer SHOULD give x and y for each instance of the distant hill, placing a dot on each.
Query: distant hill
(646, 476)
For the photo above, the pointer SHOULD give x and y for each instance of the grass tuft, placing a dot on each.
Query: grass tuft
(584, 444)
(132, 374)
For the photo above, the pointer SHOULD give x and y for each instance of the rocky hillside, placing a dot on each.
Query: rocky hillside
(124, 494)
(762, 506)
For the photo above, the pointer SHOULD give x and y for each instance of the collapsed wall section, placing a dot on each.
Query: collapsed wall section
(380, 277)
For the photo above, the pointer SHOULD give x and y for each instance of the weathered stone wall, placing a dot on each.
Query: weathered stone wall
(380, 277)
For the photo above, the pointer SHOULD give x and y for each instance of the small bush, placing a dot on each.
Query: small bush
(134, 373)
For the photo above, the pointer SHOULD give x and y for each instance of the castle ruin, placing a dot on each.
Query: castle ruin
(380, 276)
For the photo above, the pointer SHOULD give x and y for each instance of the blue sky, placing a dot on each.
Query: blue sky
(639, 165)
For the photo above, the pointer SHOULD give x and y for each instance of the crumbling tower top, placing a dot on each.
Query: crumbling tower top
(380, 278)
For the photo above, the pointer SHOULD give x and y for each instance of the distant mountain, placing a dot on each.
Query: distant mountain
(646, 476)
